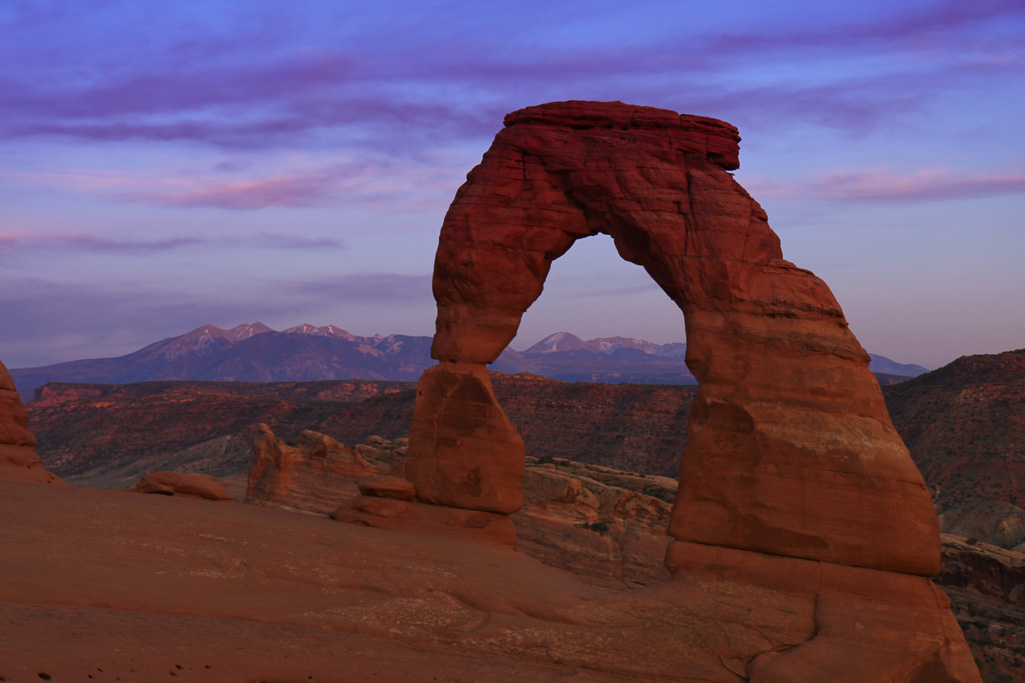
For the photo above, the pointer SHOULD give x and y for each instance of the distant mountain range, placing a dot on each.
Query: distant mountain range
(256, 353)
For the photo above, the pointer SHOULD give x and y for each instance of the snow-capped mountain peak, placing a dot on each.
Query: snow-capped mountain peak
(560, 341)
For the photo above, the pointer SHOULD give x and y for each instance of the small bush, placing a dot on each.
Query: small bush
(599, 527)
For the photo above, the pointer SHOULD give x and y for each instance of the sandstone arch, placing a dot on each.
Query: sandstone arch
(790, 452)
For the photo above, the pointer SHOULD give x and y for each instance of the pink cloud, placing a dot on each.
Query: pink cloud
(252, 194)
(907, 27)
(375, 181)
(892, 185)
(86, 242)
(380, 184)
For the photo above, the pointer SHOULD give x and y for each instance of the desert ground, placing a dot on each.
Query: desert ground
(112, 585)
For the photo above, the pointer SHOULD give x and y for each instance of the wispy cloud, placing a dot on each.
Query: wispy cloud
(384, 93)
(94, 243)
(378, 181)
(907, 27)
(302, 190)
(293, 241)
(892, 185)
(381, 288)
(381, 184)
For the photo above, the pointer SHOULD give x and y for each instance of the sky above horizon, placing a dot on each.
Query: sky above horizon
(168, 165)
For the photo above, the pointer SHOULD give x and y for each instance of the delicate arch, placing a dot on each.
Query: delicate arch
(790, 450)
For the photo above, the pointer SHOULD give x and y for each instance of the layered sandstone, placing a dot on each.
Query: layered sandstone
(986, 585)
(18, 458)
(189, 484)
(315, 474)
(794, 478)
(790, 449)
(469, 455)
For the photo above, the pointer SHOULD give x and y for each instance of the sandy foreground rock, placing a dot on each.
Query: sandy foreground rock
(137, 587)
(183, 484)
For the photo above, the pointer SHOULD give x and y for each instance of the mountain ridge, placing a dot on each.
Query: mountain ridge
(254, 352)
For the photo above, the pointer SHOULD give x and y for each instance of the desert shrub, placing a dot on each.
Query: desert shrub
(982, 640)
(665, 495)
(599, 527)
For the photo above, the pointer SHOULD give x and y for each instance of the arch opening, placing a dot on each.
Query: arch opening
(591, 292)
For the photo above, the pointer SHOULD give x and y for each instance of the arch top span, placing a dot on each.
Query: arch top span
(719, 140)
(790, 449)
(655, 181)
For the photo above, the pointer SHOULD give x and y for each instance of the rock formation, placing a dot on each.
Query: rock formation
(189, 484)
(603, 524)
(18, 458)
(793, 477)
(986, 585)
(316, 474)
(595, 522)
(790, 449)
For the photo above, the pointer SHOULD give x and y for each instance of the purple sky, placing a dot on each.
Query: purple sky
(166, 165)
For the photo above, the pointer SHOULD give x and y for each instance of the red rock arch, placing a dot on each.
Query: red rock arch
(790, 450)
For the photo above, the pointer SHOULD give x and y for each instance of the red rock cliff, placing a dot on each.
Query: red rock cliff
(18, 458)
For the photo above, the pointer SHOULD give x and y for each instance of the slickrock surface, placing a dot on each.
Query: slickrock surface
(183, 484)
(141, 587)
(387, 486)
(18, 458)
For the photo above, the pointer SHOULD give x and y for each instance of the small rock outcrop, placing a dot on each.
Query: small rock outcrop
(599, 523)
(189, 484)
(316, 474)
(18, 458)
(387, 486)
